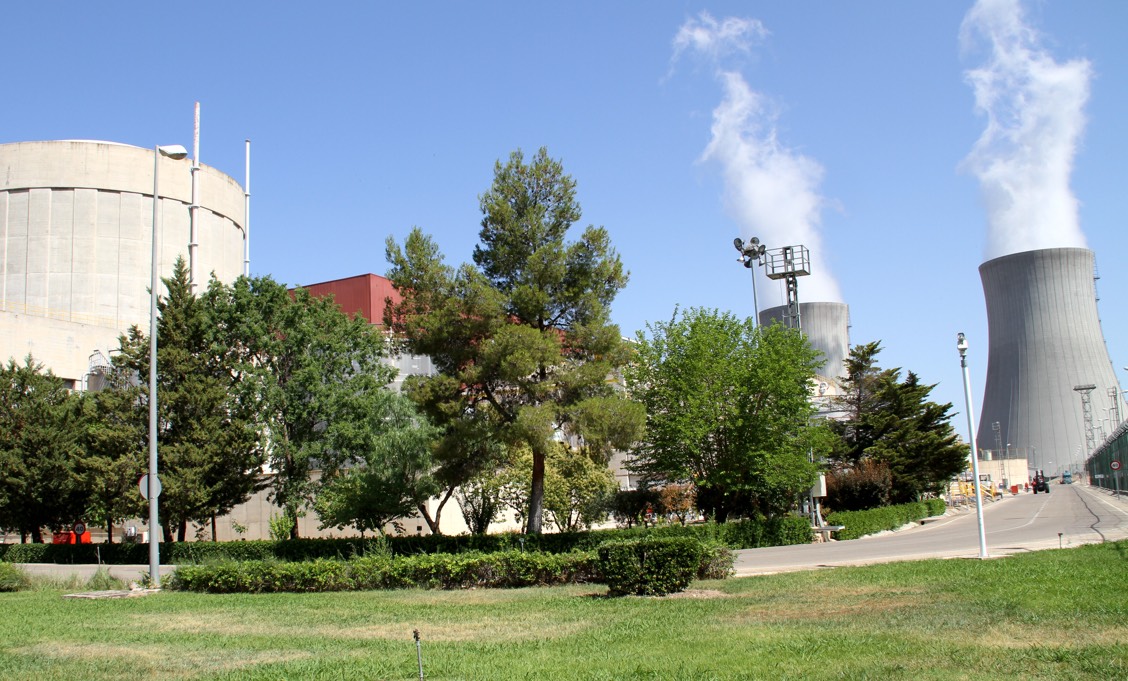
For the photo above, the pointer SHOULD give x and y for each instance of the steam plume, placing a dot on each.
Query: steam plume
(770, 190)
(1034, 109)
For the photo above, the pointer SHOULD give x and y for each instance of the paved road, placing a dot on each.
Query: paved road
(1082, 514)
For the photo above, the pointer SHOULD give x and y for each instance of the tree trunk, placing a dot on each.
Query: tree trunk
(109, 532)
(166, 530)
(434, 524)
(536, 495)
(182, 531)
(213, 529)
(36, 535)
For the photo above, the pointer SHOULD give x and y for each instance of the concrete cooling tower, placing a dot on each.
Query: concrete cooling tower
(76, 245)
(827, 327)
(1044, 340)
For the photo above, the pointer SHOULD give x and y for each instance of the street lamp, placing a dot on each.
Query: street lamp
(961, 345)
(176, 152)
(751, 253)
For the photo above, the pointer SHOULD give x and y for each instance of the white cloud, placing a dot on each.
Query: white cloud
(1034, 108)
(770, 190)
(717, 39)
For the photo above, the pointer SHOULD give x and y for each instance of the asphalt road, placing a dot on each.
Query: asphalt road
(1070, 515)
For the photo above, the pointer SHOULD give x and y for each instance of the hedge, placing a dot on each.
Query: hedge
(745, 534)
(860, 523)
(651, 566)
(431, 571)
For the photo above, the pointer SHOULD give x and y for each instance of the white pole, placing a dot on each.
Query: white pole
(247, 216)
(194, 209)
(961, 345)
(154, 531)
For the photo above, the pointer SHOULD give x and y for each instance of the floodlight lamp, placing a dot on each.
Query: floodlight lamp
(961, 343)
(739, 243)
(173, 151)
(754, 241)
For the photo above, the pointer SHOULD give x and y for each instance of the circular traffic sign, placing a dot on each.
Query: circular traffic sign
(143, 485)
(1115, 465)
(80, 528)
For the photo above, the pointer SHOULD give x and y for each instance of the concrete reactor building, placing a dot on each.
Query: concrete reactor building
(1047, 362)
(76, 225)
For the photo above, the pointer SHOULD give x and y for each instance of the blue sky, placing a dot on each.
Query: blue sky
(369, 118)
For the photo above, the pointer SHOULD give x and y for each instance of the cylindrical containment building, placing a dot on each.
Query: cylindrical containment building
(827, 327)
(1045, 340)
(76, 245)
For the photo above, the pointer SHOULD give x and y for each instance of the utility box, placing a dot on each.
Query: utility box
(819, 488)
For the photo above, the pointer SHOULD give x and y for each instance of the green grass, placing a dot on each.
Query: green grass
(1056, 614)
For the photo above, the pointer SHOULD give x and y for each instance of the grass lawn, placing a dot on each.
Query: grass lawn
(1060, 614)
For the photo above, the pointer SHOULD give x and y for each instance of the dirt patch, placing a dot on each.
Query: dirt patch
(480, 628)
(161, 662)
(699, 593)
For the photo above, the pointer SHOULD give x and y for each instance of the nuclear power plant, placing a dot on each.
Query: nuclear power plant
(827, 328)
(76, 225)
(1047, 362)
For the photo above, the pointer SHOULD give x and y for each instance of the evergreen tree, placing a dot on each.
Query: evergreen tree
(209, 451)
(522, 338)
(892, 422)
(40, 447)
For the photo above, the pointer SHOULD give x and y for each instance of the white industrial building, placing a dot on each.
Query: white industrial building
(76, 225)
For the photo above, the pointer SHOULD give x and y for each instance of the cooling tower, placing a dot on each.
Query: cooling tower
(827, 327)
(76, 244)
(1044, 339)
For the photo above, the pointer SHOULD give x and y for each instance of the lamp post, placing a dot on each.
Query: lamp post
(751, 253)
(961, 345)
(173, 151)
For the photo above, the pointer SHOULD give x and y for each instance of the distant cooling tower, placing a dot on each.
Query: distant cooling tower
(1045, 339)
(826, 326)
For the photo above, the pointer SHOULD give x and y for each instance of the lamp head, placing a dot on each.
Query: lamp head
(739, 243)
(173, 151)
(961, 343)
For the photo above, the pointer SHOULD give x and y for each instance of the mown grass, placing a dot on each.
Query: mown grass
(1058, 614)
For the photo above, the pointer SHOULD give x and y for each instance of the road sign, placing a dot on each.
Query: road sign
(80, 529)
(1115, 465)
(143, 485)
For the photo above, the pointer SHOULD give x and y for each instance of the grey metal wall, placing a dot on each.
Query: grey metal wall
(1044, 338)
(827, 327)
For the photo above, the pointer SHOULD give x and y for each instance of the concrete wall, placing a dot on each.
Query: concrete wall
(1044, 338)
(75, 243)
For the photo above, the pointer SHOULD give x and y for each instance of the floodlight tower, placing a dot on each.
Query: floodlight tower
(789, 263)
(751, 253)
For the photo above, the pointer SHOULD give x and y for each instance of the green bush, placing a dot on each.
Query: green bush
(860, 523)
(12, 578)
(432, 571)
(744, 534)
(650, 566)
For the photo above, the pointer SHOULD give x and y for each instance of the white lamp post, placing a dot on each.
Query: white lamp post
(174, 151)
(961, 345)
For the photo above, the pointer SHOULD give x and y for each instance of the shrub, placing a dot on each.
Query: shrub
(650, 567)
(12, 578)
(869, 485)
(434, 571)
(716, 561)
(743, 534)
(860, 523)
